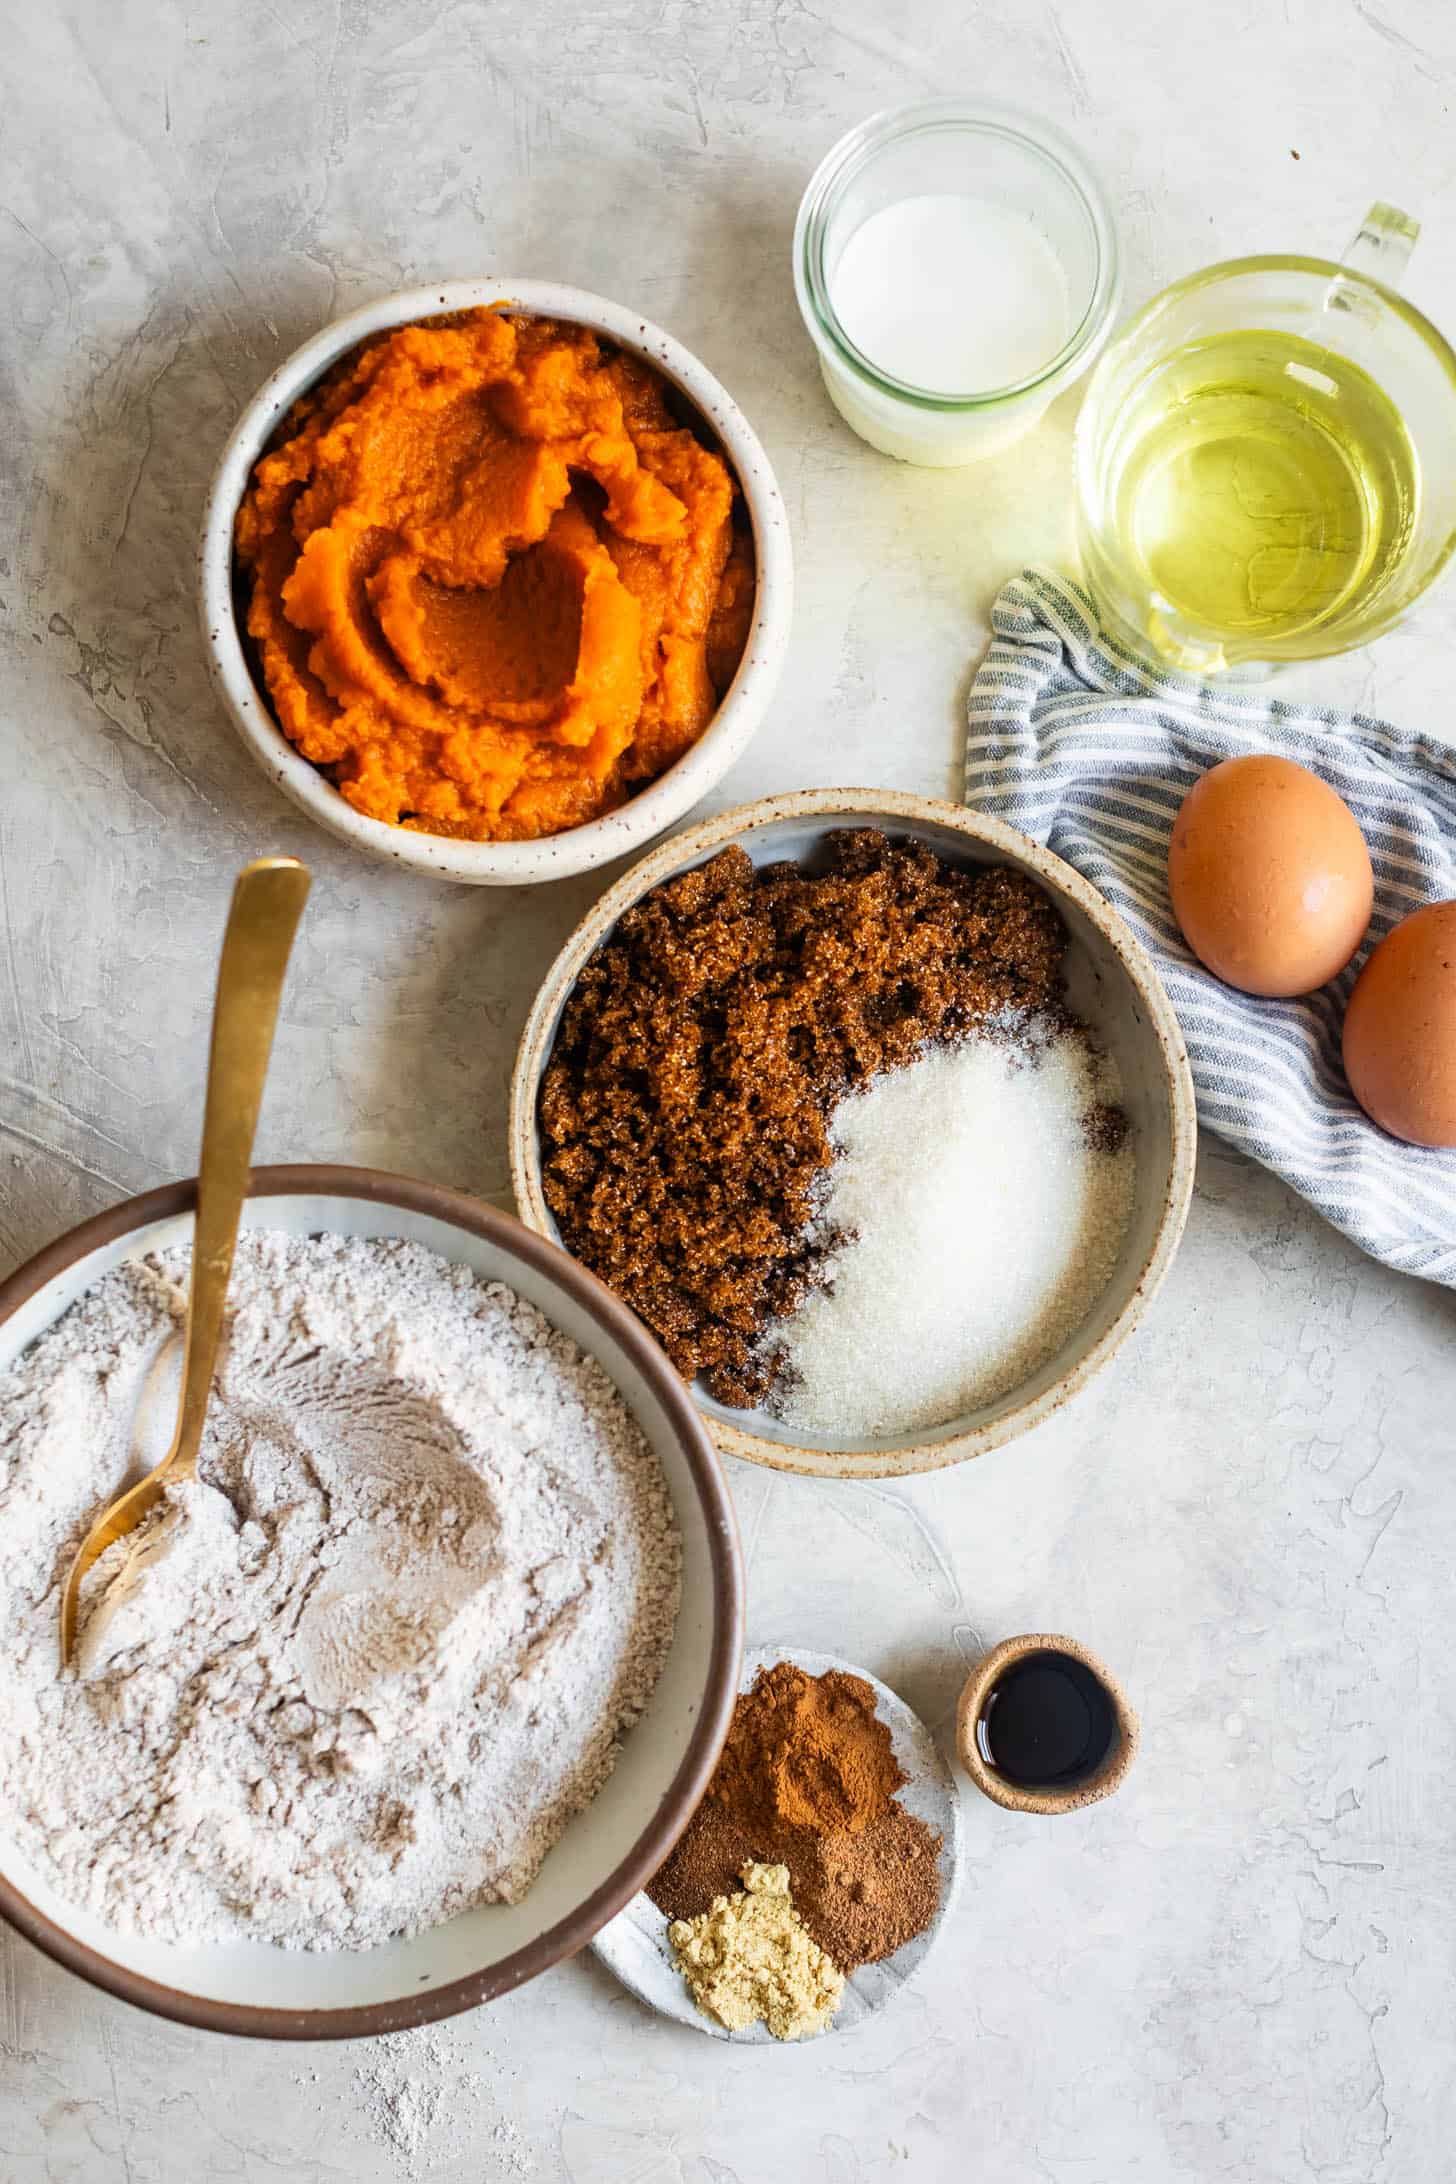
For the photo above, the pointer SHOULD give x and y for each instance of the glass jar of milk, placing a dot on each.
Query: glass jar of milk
(956, 267)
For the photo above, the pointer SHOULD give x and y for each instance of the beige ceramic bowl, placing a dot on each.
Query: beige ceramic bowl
(1047, 1801)
(1111, 984)
(655, 808)
(618, 1841)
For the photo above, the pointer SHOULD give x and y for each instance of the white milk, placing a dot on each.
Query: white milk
(954, 295)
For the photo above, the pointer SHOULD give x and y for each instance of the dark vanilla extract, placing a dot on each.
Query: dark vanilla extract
(1048, 1723)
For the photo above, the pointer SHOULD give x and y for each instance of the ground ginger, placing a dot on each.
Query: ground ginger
(749, 1959)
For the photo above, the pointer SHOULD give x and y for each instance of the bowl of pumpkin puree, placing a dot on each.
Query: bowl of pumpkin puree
(495, 580)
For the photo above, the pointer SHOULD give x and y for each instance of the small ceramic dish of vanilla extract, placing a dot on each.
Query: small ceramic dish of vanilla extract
(1043, 1727)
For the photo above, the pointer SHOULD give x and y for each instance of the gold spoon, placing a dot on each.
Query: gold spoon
(267, 903)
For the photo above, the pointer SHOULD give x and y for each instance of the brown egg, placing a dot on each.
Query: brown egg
(1400, 1029)
(1269, 875)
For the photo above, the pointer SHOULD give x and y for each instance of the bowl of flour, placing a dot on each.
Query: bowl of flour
(413, 1687)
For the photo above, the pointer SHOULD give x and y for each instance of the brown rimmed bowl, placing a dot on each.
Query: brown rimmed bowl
(612, 1847)
(1112, 985)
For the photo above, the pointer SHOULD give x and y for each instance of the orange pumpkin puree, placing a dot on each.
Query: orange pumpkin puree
(496, 583)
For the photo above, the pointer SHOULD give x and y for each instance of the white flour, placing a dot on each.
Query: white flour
(357, 1676)
(430, 2094)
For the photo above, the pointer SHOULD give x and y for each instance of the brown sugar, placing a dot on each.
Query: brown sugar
(685, 1111)
(1105, 1127)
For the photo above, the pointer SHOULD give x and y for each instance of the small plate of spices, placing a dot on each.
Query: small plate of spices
(813, 1878)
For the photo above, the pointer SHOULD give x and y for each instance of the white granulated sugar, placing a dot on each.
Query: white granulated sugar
(358, 1675)
(979, 1220)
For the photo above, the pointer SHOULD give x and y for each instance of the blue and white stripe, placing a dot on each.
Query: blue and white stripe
(1076, 743)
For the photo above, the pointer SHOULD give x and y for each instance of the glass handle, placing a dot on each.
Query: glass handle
(1384, 243)
(1380, 251)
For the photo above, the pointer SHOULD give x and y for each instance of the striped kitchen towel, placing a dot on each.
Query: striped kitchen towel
(1077, 744)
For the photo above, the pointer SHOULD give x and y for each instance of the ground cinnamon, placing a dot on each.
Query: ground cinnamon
(807, 1752)
(808, 1780)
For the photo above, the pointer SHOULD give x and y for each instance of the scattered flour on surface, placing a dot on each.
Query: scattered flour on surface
(356, 1676)
(978, 1217)
(431, 2099)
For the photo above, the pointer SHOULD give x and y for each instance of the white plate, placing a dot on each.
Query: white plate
(635, 1944)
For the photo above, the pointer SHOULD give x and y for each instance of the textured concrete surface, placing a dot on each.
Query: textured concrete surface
(1241, 1968)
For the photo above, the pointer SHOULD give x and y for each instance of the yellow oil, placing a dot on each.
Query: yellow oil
(1265, 488)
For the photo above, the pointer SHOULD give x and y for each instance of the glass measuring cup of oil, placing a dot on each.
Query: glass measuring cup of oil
(1266, 460)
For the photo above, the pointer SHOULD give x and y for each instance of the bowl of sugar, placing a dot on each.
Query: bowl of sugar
(875, 1111)
(956, 267)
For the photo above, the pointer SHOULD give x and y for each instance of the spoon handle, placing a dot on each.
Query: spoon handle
(267, 903)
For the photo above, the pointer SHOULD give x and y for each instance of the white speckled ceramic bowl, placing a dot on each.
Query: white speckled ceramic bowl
(616, 1843)
(644, 816)
(1112, 984)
